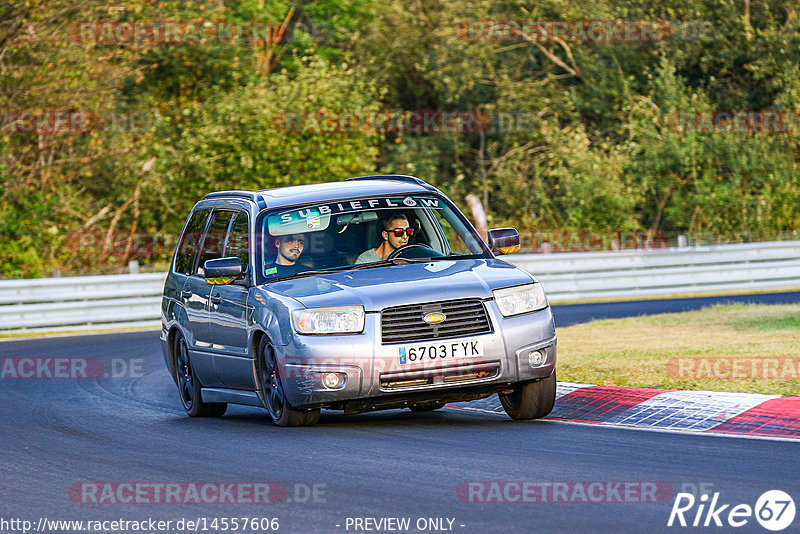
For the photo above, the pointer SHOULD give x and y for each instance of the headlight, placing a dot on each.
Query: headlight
(338, 320)
(520, 299)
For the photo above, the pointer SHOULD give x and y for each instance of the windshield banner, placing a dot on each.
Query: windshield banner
(317, 217)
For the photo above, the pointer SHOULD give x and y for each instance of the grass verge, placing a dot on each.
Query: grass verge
(732, 347)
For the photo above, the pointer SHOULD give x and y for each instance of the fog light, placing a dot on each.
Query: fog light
(536, 357)
(330, 380)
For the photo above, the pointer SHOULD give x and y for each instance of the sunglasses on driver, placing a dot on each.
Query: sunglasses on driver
(398, 232)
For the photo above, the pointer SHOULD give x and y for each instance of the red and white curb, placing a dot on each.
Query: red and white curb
(747, 414)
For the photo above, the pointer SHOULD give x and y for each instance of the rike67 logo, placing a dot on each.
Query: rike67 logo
(774, 510)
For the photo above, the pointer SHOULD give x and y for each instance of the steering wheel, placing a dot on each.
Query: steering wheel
(402, 250)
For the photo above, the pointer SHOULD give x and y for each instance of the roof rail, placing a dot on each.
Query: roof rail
(396, 178)
(249, 195)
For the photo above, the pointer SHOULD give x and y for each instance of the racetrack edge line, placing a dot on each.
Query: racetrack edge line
(631, 427)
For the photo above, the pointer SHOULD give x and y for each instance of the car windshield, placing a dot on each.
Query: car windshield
(349, 233)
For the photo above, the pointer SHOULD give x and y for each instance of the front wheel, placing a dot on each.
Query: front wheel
(189, 386)
(532, 400)
(273, 394)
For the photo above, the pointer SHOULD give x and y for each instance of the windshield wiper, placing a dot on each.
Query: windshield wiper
(311, 273)
(383, 263)
(393, 261)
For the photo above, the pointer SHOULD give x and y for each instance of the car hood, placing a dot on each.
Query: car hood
(394, 285)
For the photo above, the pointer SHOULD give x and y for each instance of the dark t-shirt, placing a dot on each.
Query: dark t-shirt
(274, 270)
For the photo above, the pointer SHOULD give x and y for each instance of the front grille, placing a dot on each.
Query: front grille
(464, 318)
(429, 377)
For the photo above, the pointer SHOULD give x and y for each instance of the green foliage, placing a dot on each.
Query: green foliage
(24, 214)
(243, 140)
(592, 142)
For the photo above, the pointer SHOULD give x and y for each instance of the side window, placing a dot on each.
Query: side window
(189, 243)
(238, 240)
(214, 240)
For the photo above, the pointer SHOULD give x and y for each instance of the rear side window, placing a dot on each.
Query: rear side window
(189, 242)
(238, 240)
(214, 240)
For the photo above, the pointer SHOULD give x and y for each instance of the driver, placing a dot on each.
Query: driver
(289, 249)
(395, 234)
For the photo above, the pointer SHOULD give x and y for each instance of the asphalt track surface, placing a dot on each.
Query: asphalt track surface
(59, 433)
(568, 314)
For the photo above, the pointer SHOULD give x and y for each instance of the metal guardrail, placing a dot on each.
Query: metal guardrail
(673, 271)
(120, 301)
(81, 302)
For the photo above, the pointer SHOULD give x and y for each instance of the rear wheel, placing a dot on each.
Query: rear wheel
(532, 400)
(189, 386)
(273, 394)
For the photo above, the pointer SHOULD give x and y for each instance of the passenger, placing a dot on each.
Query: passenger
(395, 234)
(290, 247)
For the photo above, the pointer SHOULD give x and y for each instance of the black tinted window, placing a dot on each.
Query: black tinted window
(214, 240)
(238, 240)
(189, 243)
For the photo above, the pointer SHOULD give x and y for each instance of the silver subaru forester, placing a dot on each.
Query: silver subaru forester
(368, 294)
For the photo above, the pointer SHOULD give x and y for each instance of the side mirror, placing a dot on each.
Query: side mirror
(504, 240)
(222, 271)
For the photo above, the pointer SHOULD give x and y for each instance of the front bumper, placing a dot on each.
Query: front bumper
(367, 369)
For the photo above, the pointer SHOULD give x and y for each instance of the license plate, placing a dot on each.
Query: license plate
(442, 350)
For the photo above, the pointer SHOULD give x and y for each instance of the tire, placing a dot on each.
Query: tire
(272, 392)
(532, 400)
(429, 407)
(189, 385)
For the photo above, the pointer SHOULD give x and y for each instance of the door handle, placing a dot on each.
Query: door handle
(216, 299)
(185, 293)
